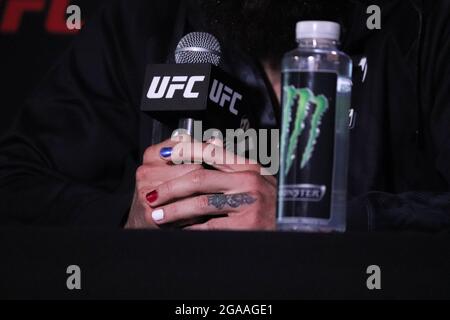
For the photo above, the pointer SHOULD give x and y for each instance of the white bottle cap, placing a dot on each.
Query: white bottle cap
(318, 29)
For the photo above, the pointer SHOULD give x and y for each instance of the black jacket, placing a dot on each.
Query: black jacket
(72, 154)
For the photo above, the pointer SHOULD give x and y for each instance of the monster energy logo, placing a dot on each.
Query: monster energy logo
(303, 192)
(305, 100)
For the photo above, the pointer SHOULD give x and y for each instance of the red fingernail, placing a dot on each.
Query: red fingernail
(152, 196)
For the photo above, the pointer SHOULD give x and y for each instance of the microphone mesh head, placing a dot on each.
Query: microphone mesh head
(198, 47)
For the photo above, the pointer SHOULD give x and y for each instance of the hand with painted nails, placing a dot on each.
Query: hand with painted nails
(233, 196)
(153, 172)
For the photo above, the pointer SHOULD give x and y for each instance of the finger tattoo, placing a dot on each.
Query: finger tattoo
(220, 201)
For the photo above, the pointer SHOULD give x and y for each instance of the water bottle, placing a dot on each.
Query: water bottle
(316, 80)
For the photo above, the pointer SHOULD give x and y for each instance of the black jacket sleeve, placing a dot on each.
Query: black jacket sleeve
(421, 211)
(71, 155)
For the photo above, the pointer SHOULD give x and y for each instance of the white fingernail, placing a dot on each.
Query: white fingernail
(158, 215)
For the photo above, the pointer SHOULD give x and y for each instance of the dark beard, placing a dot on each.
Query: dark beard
(265, 28)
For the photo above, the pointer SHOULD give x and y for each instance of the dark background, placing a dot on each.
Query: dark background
(28, 53)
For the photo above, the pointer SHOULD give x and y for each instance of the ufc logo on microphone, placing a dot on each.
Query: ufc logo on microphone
(221, 94)
(167, 86)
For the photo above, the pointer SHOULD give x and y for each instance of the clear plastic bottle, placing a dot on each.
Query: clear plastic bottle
(314, 140)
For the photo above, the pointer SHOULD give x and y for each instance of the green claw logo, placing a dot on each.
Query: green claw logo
(305, 101)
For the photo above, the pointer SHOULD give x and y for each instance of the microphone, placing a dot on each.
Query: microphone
(196, 88)
(196, 47)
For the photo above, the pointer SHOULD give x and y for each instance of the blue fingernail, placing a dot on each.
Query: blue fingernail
(166, 152)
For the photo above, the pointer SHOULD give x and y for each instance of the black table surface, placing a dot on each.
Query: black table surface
(179, 265)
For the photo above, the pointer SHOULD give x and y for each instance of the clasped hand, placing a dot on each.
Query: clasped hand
(175, 190)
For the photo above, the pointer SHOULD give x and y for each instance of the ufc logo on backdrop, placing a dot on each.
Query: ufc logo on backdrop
(221, 94)
(169, 85)
(15, 10)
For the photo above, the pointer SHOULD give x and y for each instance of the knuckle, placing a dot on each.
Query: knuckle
(141, 173)
(167, 188)
(202, 202)
(197, 177)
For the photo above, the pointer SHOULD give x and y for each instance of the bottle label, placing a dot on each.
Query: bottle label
(307, 144)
